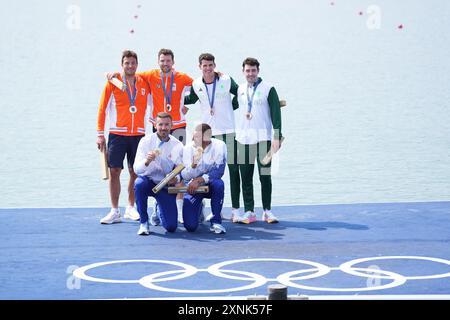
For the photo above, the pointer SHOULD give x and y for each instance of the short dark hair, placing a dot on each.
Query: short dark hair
(129, 54)
(251, 62)
(164, 115)
(166, 52)
(207, 57)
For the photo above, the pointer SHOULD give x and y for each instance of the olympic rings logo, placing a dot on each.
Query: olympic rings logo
(290, 279)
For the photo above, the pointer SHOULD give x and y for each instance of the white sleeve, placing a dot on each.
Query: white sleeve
(188, 172)
(139, 166)
(148, 113)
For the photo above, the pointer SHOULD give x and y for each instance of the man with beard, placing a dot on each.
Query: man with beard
(157, 155)
(126, 112)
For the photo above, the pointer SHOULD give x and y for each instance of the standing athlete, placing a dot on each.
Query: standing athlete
(258, 131)
(126, 112)
(215, 92)
(168, 87)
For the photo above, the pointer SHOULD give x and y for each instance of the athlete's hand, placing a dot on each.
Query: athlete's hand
(193, 185)
(150, 157)
(111, 75)
(276, 145)
(173, 181)
(184, 109)
(101, 143)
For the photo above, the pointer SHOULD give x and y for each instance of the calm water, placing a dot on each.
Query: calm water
(367, 120)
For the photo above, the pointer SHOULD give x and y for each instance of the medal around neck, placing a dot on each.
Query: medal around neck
(211, 112)
(248, 115)
(169, 108)
(133, 109)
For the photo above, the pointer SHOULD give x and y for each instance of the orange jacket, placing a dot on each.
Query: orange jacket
(181, 83)
(116, 104)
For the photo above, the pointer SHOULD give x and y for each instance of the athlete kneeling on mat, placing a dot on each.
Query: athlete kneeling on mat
(157, 155)
(205, 159)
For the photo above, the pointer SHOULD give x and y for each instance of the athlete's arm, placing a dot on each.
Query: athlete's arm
(187, 86)
(234, 91)
(218, 169)
(191, 98)
(101, 117)
(275, 114)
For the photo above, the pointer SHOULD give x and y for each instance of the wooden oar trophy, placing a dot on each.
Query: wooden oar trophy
(104, 163)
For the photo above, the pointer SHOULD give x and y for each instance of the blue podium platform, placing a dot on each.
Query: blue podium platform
(347, 251)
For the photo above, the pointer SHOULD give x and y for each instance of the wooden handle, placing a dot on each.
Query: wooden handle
(174, 190)
(119, 84)
(104, 163)
(167, 179)
(270, 154)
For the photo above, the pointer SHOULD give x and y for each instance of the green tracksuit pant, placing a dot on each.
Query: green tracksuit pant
(246, 159)
(233, 167)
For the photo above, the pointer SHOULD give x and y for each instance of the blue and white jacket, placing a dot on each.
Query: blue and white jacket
(211, 165)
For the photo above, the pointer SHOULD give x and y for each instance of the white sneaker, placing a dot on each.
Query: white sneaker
(154, 218)
(143, 229)
(131, 213)
(234, 212)
(112, 217)
(269, 217)
(246, 218)
(217, 228)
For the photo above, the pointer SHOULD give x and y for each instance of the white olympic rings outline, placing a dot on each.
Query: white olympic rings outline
(151, 281)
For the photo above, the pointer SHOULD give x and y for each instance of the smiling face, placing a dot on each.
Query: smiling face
(163, 127)
(251, 73)
(207, 67)
(165, 62)
(129, 66)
